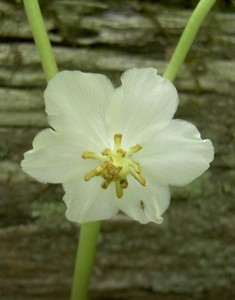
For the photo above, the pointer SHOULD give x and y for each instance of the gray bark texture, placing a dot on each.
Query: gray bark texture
(191, 256)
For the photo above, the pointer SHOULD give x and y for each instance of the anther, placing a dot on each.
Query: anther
(119, 189)
(92, 173)
(121, 152)
(106, 152)
(134, 149)
(105, 184)
(135, 165)
(92, 155)
(117, 141)
(124, 183)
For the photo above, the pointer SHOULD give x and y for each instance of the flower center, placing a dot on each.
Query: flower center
(115, 165)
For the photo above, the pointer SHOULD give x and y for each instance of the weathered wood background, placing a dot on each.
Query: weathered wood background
(192, 254)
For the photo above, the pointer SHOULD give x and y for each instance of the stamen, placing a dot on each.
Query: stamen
(119, 189)
(121, 152)
(117, 141)
(106, 152)
(135, 165)
(105, 184)
(92, 173)
(92, 155)
(138, 177)
(134, 149)
(124, 183)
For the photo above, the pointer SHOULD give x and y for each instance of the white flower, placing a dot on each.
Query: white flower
(116, 149)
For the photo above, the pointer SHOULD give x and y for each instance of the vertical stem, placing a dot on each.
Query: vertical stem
(89, 231)
(41, 39)
(187, 38)
(85, 259)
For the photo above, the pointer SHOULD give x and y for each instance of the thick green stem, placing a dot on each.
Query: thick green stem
(85, 259)
(89, 231)
(187, 38)
(41, 39)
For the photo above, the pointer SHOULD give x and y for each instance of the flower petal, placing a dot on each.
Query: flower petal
(144, 204)
(77, 101)
(141, 106)
(87, 201)
(57, 157)
(177, 155)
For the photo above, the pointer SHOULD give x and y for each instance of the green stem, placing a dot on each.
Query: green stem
(89, 231)
(41, 39)
(187, 38)
(85, 259)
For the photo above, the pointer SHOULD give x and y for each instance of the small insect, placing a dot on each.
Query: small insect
(142, 205)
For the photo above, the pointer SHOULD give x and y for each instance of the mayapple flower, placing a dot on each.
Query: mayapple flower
(116, 149)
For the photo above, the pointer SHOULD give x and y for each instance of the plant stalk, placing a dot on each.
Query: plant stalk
(187, 38)
(85, 259)
(41, 38)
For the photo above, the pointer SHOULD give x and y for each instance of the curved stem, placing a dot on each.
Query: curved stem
(85, 259)
(187, 38)
(41, 39)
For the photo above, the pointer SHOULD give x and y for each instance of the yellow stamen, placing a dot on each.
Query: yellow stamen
(91, 155)
(106, 152)
(138, 177)
(135, 165)
(119, 189)
(117, 141)
(121, 152)
(124, 183)
(134, 149)
(105, 184)
(115, 165)
(92, 173)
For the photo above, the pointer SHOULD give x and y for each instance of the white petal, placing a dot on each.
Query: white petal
(144, 204)
(87, 201)
(141, 106)
(78, 101)
(57, 157)
(177, 155)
